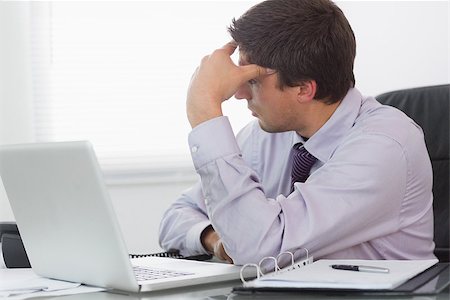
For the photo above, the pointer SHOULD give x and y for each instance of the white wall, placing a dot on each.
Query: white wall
(15, 83)
(139, 208)
(400, 45)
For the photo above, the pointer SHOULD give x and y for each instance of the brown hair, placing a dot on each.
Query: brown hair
(302, 40)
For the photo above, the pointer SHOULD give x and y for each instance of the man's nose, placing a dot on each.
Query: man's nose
(243, 92)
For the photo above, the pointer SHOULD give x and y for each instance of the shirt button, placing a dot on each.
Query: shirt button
(194, 149)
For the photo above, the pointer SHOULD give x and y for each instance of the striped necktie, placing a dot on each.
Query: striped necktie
(301, 164)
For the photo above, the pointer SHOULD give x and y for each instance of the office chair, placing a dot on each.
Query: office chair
(429, 107)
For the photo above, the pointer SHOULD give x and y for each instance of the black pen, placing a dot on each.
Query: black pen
(360, 268)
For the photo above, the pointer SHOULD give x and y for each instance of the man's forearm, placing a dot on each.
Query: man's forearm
(183, 223)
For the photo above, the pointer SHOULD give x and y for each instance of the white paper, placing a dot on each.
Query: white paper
(320, 275)
(24, 283)
(79, 290)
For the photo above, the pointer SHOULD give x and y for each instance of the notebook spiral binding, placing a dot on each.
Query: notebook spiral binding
(277, 269)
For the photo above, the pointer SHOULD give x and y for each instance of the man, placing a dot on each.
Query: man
(368, 194)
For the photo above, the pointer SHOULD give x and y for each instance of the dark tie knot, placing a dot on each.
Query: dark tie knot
(301, 164)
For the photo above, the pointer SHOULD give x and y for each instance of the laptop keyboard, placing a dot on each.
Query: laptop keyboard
(144, 273)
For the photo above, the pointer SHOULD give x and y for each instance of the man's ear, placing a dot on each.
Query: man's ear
(306, 91)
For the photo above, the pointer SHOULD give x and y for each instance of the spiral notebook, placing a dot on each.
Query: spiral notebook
(403, 276)
(284, 262)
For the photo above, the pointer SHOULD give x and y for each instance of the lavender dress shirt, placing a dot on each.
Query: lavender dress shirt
(368, 195)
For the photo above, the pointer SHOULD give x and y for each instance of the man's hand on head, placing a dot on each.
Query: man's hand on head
(213, 244)
(214, 81)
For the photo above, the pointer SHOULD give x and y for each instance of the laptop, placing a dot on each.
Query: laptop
(70, 230)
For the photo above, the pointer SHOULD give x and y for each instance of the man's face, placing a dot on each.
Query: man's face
(267, 102)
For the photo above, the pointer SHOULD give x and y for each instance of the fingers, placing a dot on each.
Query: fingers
(223, 255)
(230, 47)
(250, 71)
(253, 71)
(219, 252)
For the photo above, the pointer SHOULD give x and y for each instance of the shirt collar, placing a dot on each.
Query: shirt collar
(323, 143)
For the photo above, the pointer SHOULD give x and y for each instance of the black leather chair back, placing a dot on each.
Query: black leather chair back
(429, 107)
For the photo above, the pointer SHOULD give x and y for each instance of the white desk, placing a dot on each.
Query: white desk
(223, 292)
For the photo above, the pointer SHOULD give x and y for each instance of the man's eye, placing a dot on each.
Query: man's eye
(252, 81)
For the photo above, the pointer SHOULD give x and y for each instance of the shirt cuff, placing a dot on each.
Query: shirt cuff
(193, 242)
(211, 140)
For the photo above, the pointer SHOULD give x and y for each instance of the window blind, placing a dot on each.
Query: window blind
(116, 74)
